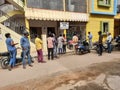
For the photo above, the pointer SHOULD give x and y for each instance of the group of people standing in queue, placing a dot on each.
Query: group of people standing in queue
(25, 46)
(55, 45)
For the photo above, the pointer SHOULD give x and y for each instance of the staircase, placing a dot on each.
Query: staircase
(7, 20)
(17, 3)
(6, 16)
(15, 36)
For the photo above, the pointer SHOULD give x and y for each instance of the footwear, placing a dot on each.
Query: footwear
(24, 67)
(9, 68)
(32, 61)
(43, 61)
(30, 65)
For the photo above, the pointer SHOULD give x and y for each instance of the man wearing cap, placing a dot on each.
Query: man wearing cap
(11, 49)
(25, 44)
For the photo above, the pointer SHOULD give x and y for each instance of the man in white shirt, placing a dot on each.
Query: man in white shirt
(109, 40)
(90, 39)
(60, 44)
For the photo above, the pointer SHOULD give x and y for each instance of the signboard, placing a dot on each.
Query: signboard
(64, 25)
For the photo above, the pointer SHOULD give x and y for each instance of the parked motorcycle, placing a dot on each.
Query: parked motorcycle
(82, 47)
(105, 48)
(5, 59)
(118, 42)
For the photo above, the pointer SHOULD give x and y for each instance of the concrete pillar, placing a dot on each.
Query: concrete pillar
(44, 39)
(64, 8)
(65, 32)
(27, 26)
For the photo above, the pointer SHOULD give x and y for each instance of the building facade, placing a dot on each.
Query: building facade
(61, 17)
(45, 16)
(101, 17)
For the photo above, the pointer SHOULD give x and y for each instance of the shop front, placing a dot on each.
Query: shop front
(43, 22)
(78, 28)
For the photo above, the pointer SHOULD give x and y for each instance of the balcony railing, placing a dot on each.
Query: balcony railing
(3, 14)
(18, 3)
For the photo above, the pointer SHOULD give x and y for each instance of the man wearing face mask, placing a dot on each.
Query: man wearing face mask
(25, 44)
(11, 49)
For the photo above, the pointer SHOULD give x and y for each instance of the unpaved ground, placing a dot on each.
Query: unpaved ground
(75, 75)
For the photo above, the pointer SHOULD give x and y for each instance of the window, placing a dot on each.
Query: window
(105, 3)
(46, 4)
(104, 27)
(76, 5)
(118, 9)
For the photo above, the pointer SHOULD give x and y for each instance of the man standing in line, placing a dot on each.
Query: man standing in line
(11, 49)
(90, 39)
(100, 43)
(38, 44)
(55, 43)
(64, 43)
(50, 44)
(60, 44)
(25, 44)
(109, 40)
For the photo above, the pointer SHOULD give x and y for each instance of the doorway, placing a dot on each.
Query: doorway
(34, 31)
(50, 30)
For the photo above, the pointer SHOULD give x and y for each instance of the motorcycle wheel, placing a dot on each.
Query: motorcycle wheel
(4, 63)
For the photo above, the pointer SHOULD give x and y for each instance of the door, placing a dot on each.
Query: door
(50, 30)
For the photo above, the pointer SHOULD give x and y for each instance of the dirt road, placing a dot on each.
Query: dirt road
(67, 69)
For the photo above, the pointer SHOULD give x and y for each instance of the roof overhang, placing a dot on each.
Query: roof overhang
(41, 14)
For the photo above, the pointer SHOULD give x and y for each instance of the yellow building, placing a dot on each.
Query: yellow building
(101, 17)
